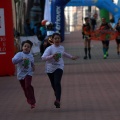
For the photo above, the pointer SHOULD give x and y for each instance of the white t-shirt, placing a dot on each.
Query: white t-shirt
(51, 64)
(23, 68)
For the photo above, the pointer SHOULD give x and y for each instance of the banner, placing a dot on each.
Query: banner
(6, 38)
(57, 16)
(103, 35)
(2, 32)
(2, 24)
(57, 10)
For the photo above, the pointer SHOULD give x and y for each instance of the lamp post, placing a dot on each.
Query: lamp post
(35, 13)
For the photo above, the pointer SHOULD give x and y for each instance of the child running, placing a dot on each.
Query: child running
(25, 69)
(53, 56)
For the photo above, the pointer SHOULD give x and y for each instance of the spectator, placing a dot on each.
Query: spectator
(93, 21)
(27, 29)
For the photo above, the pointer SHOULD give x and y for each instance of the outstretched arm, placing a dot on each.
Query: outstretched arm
(70, 56)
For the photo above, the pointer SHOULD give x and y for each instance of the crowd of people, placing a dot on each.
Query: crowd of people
(90, 27)
(43, 30)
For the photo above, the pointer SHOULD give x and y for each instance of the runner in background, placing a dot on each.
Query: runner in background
(117, 28)
(105, 26)
(86, 30)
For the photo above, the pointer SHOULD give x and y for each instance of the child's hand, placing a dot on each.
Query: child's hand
(56, 57)
(25, 58)
(33, 68)
(75, 57)
(26, 62)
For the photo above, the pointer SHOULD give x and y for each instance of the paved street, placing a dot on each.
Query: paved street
(90, 88)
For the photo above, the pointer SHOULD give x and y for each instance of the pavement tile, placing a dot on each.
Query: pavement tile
(90, 88)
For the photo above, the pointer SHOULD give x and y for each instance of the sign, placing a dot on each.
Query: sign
(2, 45)
(2, 33)
(103, 35)
(2, 22)
(6, 39)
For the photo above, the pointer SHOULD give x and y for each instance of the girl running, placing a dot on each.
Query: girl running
(25, 68)
(53, 56)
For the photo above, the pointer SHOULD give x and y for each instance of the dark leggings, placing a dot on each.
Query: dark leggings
(28, 89)
(105, 43)
(55, 79)
(118, 41)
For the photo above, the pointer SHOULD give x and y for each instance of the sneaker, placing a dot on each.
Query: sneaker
(118, 52)
(57, 104)
(104, 56)
(85, 57)
(32, 106)
(107, 54)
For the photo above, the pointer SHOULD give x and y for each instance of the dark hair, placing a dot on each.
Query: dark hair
(27, 41)
(56, 34)
(86, 18)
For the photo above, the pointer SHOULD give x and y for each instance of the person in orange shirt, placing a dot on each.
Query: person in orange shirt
(117, 28)
(105, 26)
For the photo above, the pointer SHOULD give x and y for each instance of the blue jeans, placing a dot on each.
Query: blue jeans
(55, 79)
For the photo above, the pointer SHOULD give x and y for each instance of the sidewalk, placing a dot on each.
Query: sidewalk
(90, 88)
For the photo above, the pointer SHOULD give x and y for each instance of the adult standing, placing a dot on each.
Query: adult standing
(27, 29)
(117, 28)
(86, 31)
(93, 21)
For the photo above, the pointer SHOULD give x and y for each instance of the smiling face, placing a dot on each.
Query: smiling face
(26, 47)
(56, 40)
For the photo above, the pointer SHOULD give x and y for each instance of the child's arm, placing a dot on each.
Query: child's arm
(70, 56)
(46, 55)
(32, 63)
(33, 66)
(45, 58)
(17, 59)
